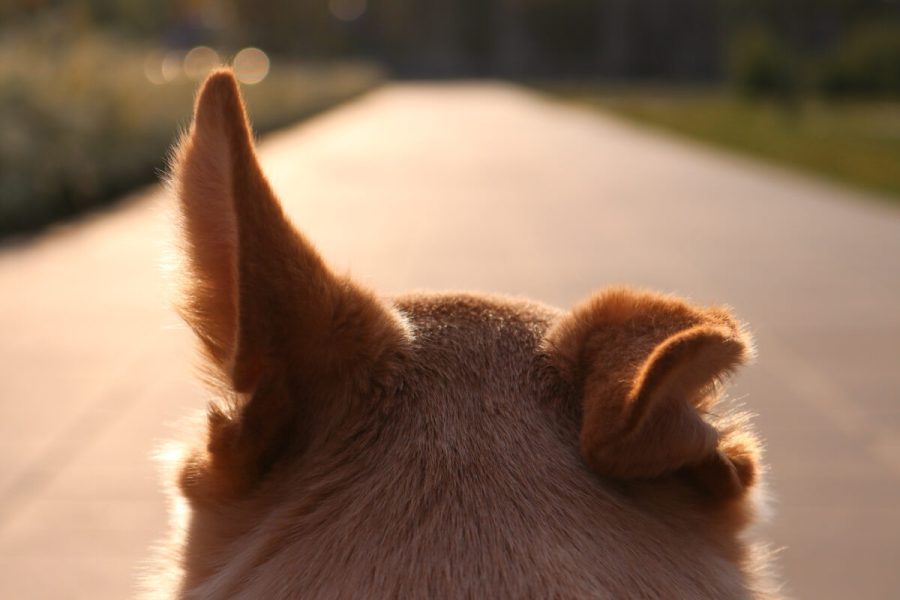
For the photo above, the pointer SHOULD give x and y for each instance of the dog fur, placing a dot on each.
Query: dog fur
(441, 445)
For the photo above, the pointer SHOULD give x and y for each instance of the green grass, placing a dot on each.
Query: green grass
(80, 123)
(857, 143)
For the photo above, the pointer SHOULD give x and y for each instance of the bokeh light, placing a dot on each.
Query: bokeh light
(171, 66)
(251, 65)
(153, 68)
(347, 10)
(200, 61)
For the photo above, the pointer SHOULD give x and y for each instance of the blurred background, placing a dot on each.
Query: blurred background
(739, 151)
(97, 88)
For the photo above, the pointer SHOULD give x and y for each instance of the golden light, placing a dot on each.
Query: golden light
(200, 61)
(153, 68)
(171, 66)
(251, 65)
(347, 10)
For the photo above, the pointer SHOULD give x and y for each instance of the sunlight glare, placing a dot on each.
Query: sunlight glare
(171, 66)
(251, 65)
(200, 61)
(153, 68)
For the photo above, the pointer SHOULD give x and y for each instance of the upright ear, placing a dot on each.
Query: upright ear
(647, 368)
(270, 313)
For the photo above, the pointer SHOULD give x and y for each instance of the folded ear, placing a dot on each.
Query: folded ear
(646, 368)
(270, 313)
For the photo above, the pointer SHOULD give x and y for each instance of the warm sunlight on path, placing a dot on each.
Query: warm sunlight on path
(475, 186)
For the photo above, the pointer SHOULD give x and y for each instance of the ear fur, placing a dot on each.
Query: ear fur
(646, 368)
(274, 320)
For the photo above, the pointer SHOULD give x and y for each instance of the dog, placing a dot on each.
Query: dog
(445, 445)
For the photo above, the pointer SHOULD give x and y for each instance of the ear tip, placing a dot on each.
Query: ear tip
(723, 349)
(748, 341)
(220, 81)
(219, 95)
(738, 344)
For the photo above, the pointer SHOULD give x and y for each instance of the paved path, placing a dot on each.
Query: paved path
(478, 187)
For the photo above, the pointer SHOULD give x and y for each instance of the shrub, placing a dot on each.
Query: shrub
(80, 122)
(758, 65)
(866, 63)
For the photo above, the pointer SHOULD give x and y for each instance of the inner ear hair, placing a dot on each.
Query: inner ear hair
(647, 369)
(285, 336)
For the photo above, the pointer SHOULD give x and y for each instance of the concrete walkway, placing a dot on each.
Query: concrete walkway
(482, 187)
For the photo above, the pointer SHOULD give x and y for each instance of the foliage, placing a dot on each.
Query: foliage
(80, 122)
(867, 62)
(854, 142)
(761, 66)
(684, 40)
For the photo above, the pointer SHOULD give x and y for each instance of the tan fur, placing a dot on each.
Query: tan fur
(441, 445)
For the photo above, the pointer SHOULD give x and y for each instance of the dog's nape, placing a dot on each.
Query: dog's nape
(300, 353)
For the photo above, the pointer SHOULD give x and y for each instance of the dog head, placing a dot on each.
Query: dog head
(442, 444)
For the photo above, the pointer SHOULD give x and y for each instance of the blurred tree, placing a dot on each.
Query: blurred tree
(811, 24)
(306, 28)
(564, 34)
(759, 65)
(866, 62)
(477, 32)
(681, 40)
(133, 16)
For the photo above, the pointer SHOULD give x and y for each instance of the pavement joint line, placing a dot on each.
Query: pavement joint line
(97, 417)
(827, 399)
